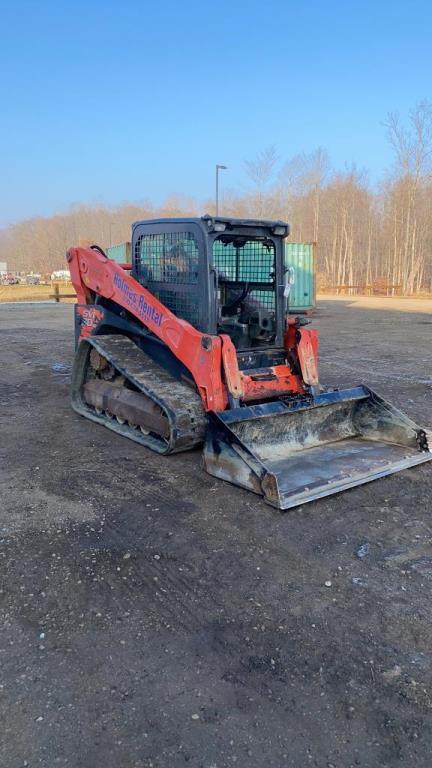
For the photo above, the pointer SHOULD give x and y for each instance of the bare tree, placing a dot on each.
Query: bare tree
(412, 145)
(364, 236)
(260, 171)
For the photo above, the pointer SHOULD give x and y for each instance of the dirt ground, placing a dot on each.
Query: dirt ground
(152, 616)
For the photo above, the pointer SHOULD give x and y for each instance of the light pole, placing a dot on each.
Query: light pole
(218, 168)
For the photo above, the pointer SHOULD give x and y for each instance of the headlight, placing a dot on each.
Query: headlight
(280, 229)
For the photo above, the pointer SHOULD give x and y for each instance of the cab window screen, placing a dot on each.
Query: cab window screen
(171, 257)
(240, 260)
(167, 263)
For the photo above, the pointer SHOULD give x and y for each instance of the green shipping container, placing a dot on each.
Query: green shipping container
(120, 253)
(301, 257)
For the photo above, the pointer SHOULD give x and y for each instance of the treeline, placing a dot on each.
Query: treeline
(364, 234)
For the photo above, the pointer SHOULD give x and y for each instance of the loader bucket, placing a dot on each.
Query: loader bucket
(295, 452)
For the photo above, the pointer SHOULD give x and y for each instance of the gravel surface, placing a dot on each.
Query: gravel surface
(152, 616)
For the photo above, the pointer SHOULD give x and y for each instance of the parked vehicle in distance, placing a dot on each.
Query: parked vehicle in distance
(61, 274)
(32, 279)
(9, 279)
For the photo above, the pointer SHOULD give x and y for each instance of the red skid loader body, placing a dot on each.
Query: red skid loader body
(212, 360)
(269, 428)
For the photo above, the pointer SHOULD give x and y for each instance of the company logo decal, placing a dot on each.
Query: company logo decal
(138, 303)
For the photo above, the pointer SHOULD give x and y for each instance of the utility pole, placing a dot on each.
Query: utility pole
(218, 168)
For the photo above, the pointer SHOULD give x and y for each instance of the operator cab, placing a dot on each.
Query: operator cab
(220, 274)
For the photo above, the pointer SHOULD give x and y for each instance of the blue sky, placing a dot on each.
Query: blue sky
(114, 101)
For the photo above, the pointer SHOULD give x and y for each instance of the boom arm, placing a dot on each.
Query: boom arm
(93, 274)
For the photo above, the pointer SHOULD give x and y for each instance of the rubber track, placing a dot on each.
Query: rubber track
(181, 404)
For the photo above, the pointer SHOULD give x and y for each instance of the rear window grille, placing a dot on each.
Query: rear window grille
(247, 261)
(167, 263)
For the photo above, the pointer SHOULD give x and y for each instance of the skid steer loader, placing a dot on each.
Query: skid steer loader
(192, 344)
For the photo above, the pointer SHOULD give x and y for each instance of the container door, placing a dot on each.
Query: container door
(300, 256)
